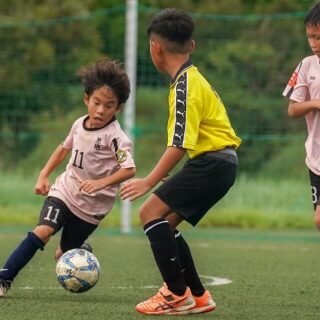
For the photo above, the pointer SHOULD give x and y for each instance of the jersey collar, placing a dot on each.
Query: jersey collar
(181, 69)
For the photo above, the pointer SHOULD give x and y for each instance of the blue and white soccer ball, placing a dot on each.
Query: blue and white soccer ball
(78, 270)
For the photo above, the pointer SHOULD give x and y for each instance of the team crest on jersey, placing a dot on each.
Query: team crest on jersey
(97, 145)
(121, 155)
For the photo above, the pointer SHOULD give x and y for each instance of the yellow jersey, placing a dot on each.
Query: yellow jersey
(198, 121)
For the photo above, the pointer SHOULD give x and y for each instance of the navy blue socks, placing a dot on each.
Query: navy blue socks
(21, 256)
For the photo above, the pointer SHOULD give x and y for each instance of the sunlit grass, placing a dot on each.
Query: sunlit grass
(273, 275)
(251, 202)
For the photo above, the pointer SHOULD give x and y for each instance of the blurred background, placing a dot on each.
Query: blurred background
(246, 49)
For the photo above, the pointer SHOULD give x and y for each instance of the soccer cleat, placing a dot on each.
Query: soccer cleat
(5, 286)
(165, 302)
(203, 304)
(86, 246)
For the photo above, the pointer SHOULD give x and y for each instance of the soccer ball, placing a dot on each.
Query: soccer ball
(78, 270)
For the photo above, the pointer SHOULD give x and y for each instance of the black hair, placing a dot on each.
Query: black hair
(172, 24)
(313, 16)
(105, 72)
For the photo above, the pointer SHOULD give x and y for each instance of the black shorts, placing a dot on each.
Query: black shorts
(202, 182)
(57, 215)
(315, 188)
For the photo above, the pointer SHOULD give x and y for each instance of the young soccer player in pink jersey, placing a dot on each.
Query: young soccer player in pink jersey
(100, 159)
(303, 90)
(198, 125)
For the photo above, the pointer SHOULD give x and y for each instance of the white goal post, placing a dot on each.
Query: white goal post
(129, 110)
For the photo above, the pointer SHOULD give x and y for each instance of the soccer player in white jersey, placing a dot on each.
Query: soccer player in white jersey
(100, 159)
(303, 90)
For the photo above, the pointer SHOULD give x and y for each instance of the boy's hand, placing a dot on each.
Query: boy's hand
(91, 186)
(42, 186)
(134, 189)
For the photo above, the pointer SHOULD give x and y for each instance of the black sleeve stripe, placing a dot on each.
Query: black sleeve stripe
(115, 144)
(181, 111)
(289, 93)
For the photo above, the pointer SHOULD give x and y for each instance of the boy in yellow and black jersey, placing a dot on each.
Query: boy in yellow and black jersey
(198, 124)
(198, 121)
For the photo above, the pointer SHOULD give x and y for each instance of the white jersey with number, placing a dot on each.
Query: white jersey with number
(96, 153)
(304, 85)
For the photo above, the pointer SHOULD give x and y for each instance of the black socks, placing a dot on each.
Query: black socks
(189, 271)
(173, 257)
(166, 254)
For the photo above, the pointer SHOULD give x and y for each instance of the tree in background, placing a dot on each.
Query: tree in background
(245, 48)
(41, 47)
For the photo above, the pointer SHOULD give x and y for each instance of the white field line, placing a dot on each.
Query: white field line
(210, 281)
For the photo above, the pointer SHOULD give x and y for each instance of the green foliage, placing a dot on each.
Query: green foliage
(248, 53)
(288, 161)
(249, 70)
(39, 60)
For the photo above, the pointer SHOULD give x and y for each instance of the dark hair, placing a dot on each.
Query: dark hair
(105, 72)
(313, 16)
(172, 24)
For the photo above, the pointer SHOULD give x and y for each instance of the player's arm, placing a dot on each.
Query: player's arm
(42, 186)
(298, 109)
(119, 176)
(136, 188)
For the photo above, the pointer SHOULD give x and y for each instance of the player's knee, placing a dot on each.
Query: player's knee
(143, 213)
(146, 214)
(43, 232)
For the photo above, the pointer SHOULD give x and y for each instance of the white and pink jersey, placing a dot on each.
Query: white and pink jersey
(96, 153)
(304, 85)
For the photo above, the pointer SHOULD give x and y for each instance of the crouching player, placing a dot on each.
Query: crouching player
(100, 159)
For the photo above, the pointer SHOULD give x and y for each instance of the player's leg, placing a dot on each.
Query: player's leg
(49, 223)
(74, 234)
(163, 244)
(201, 183)
(315, 192)
(190, 193)
(317, 217)
(174, 295)
(18, 259)
(189, 271)
(202, 297)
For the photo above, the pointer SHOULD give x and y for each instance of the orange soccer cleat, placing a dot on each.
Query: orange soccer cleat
(165, 302)
(203, 304)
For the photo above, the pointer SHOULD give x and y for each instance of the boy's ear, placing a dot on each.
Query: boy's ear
(192, 46)
(119, 108)
(86, 99)
(156, 45)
